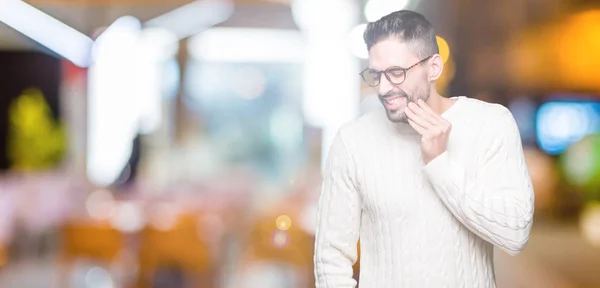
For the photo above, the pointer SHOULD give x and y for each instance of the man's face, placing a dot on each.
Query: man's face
(395, 98)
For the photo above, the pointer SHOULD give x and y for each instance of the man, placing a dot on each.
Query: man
(430, 186)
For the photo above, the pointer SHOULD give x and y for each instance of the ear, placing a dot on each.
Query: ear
(436, 67)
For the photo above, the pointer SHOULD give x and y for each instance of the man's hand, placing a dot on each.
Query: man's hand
(433, 128)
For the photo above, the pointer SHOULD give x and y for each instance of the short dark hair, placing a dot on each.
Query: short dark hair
(409, 27)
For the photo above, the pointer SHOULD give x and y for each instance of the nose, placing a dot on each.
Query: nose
(384, 86)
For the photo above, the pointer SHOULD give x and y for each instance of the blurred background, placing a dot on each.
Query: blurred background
(148, 143)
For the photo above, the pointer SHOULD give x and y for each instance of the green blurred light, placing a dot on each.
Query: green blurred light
(581, 165)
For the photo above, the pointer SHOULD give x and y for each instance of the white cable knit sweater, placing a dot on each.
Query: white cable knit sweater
(423, 226)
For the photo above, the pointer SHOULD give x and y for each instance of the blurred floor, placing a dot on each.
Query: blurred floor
(562, 260)
(38, 274)
(556, 257)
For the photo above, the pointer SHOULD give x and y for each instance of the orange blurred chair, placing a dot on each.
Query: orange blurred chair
(273, 247)
(91, 240)
(3, 255)
(178, 245)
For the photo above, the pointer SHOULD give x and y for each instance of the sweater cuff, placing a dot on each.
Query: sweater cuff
(438, 169)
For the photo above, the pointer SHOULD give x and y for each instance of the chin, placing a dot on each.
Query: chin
(397, 117)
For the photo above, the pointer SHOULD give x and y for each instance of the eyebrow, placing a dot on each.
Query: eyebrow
(395, 66)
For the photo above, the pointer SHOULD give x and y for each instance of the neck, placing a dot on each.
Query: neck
(439, 103)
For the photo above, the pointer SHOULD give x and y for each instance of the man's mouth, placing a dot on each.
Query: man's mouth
(394, 102)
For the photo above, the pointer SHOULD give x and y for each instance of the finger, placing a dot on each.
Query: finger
(439, 124)
(420, 112)
(418, 119)
(417, 127)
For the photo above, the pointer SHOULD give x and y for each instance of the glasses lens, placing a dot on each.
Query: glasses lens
(371, 77)
(396, 76)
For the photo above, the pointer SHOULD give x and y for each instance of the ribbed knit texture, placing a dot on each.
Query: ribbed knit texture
(422, 225)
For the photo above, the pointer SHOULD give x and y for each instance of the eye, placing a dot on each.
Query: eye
(396, 72)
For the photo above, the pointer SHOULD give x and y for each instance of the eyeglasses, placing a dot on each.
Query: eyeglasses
(395, 75)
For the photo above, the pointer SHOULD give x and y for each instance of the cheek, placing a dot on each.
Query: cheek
(415, 90)
(411, 88)
(419, 84)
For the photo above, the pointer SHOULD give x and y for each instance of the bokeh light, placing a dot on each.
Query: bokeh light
(444, 48)
(581, 164)
(100, 205)
(577, 49)
(283, 222)
(280, 239)
(356, 43)
(590, 223)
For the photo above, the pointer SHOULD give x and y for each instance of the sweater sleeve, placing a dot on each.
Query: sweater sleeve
(496, 203)
(338, 220)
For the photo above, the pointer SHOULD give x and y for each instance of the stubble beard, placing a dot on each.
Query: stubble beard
(398, 115)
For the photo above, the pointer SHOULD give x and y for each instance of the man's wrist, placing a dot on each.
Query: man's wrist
(429, 159)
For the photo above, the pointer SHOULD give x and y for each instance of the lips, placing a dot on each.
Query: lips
(394, 102)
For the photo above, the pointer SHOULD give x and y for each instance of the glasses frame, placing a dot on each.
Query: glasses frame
(388, 70)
